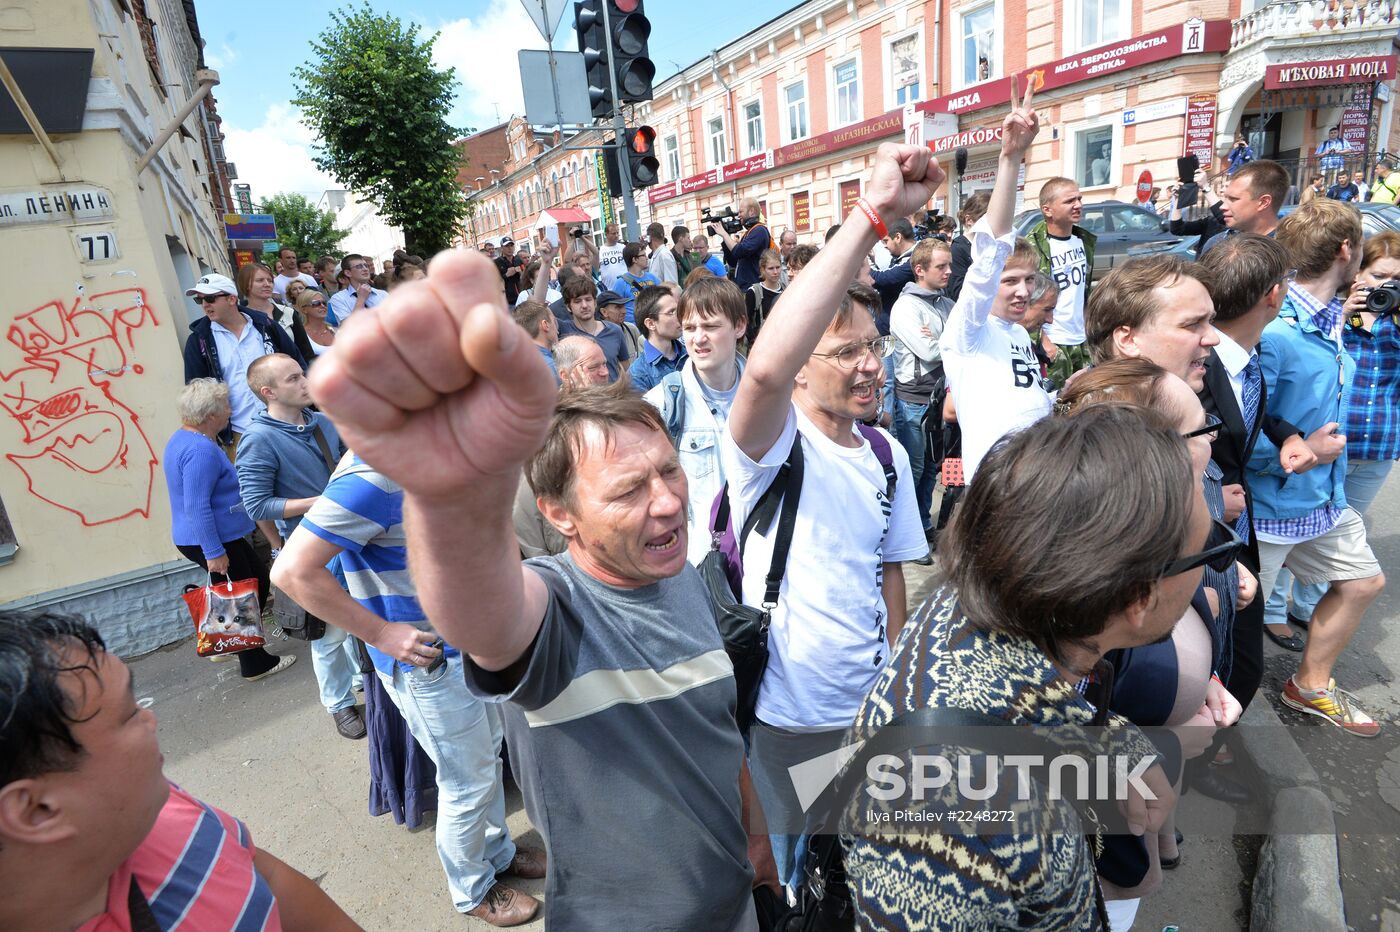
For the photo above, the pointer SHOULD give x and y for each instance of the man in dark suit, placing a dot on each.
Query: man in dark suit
(1247, 279)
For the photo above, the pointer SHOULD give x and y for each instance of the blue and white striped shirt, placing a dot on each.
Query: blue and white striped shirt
(361, 512)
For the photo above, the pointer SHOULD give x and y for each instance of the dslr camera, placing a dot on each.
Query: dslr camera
(727, 218)
(578, 232)
(1384, 299)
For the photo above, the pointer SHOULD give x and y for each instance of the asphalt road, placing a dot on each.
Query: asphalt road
(267, 753)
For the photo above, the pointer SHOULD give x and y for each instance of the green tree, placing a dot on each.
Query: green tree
(301, 226)
(372, 94)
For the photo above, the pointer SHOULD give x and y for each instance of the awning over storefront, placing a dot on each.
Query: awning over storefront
(557, 215)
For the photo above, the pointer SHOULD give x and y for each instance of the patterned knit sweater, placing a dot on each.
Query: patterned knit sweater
(920, 878)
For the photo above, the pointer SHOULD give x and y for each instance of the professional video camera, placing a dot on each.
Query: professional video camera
(727, 218)
(1384, 299)
(931, 225)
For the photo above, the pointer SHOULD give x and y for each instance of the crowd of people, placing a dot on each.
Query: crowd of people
(520, 492)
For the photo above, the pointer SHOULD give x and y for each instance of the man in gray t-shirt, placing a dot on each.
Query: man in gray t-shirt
(620, 699)
(643, 672)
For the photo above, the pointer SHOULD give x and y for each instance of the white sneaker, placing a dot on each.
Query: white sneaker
(283, 662)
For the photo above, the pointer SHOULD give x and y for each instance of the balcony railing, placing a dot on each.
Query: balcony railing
(1313, 18)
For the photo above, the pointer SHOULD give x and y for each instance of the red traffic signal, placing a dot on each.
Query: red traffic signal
(642, 163)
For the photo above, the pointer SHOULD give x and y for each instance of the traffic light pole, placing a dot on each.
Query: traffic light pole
(629, 207)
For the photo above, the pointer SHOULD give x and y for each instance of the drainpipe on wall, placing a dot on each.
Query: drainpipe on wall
(728, 97)
(205, 78)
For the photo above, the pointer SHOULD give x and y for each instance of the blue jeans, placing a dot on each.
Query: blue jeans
(911, 437)
(1364, 481)
(333, 659)
(462, 735)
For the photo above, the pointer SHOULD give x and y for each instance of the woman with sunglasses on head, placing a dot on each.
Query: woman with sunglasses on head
(1176, 682)
(320, 335)
(255, 283)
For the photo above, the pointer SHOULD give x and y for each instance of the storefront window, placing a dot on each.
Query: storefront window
(1100, 21)
(671, 151)
(1094, 156)
(715, 131)
(753, 127)
(796, 99)
(979, 41)
(847, 92)
(904, 69)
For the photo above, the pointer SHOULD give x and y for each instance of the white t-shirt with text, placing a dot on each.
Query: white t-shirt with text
(1069, 267)
(827, 641)
(990, 364)
(610, 264)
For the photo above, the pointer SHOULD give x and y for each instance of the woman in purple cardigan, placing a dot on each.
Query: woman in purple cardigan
(209, 525)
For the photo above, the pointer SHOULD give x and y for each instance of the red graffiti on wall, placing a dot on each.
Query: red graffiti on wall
(62, 396)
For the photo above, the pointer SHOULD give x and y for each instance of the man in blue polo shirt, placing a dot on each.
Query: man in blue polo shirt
(360, 295)
(662, 351)
(359, 517)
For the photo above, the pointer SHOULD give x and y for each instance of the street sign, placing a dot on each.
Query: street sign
(556, 88)
(1161, 110)
(1144, 187)
(270, 247)
(545, 14)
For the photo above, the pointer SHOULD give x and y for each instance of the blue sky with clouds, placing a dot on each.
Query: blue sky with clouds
(256, 44)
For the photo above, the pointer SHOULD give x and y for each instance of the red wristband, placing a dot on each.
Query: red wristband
(864, 207)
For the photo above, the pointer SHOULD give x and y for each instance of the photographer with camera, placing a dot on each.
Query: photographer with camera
(576, 245)
(1371, 336)
(743, 251)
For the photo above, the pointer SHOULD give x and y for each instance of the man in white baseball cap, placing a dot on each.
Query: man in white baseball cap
(225, 341)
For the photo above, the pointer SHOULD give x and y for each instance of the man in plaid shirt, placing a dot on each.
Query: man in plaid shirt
(1373, 402)
(1303, 521)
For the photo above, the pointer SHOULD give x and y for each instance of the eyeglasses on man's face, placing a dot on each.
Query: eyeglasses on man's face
(1211, 428)
(1223, 547)
(208, 298)
(852, 355)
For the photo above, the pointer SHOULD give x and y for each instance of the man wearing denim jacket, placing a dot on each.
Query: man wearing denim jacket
(1303, 521)
(695, 401)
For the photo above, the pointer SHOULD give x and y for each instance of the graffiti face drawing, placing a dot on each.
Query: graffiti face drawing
(82, 449)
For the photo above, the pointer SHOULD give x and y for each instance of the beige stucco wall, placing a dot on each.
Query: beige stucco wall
(90, 351)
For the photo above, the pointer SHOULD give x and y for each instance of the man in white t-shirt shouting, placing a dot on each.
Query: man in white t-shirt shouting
(610, 262)
(987, 355)
(814, 375)
(1066, 254)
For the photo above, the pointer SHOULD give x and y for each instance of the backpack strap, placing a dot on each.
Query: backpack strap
(784, 491)
(673, 406)
(883, 453)
(325, 447)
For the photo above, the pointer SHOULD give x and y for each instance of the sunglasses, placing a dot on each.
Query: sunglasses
(1211, 429)
(208, 298)
(1223, 547)
(315, 304)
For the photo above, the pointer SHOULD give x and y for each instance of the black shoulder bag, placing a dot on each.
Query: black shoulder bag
(744, 628)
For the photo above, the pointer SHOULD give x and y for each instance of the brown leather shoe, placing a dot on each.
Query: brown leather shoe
(528, 864)
(505, 906)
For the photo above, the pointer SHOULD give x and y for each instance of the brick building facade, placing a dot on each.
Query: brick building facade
(791, 112)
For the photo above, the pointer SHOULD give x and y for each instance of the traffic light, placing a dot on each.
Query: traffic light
(624, 59)
(634, 70)
(593, 43)
(642, 163)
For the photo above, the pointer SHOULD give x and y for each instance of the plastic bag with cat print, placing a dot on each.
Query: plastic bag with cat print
(227, 616)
